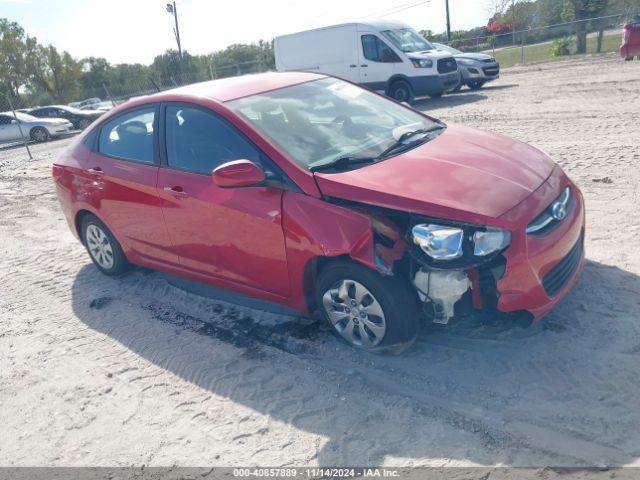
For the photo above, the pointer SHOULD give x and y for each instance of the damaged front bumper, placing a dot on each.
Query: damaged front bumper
(527, 279)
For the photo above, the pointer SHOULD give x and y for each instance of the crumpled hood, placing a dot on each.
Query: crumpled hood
(460, 174)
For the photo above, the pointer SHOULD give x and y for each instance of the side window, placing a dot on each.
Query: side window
(129, 136)
(198, 141)
(376, 50)
(5, 120)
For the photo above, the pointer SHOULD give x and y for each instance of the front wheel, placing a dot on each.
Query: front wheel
(39, 134)
(84, 123)
(476, 85)
(367, 310)
(401, 91)
(105, 251)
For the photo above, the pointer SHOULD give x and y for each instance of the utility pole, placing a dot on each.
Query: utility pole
(172, 9)
(448, 23)
(513, 20)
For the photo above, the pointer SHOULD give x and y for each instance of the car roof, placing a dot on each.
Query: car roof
(231, 88)
(375, 24)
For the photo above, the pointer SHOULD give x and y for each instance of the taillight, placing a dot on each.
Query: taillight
(56, 172)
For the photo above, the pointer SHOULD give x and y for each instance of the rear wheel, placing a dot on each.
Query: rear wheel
(105, 251)
(367, 310)
(401, 91)
(39, 134)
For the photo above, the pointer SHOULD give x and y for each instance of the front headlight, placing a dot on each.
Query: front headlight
(422, 63)
(438, 241)
(444, 242)
(489, 241)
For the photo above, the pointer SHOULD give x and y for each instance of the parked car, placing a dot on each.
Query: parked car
(386, 56)
(630, 46)
(37, 129)
(89, 102)
(102, 106)
(312, 192)
(80, 119)
(476, 69)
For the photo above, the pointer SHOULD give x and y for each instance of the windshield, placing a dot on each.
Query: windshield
(323, 120)
(447, 48)
(408, 40)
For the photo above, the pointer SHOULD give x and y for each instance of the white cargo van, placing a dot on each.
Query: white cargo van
(381, 55)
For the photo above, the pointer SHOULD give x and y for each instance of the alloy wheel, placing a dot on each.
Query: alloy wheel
(355, 313)
(99, 247)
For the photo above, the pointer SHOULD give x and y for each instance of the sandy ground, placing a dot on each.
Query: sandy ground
(101, 371)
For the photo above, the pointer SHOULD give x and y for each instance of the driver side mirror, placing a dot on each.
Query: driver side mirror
(238, 173)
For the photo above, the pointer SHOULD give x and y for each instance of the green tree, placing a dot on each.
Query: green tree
(13, 52)
(581, 10)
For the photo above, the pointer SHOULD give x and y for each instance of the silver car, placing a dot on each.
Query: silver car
(476, 69)
(37, 129)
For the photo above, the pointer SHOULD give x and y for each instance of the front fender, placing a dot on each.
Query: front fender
(314, 228)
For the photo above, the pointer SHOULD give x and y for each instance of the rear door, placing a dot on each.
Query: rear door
(231, 233)
(121, 178)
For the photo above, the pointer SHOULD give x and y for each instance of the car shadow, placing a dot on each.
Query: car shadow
(561, 392)
(447, 101)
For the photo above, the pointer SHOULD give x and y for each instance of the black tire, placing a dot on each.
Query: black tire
(84, 123)
(401, 91)
(477, 85)
(39, 134)
(120, 263)
(398, 301)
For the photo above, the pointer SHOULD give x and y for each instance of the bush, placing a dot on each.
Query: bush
(561, 47)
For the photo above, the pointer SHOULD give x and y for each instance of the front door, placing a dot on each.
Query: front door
(231, 233)
(378, 62)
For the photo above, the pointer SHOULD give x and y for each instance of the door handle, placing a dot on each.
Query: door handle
(364, 65)
(176, 191)
(352, 66)
(96, 171)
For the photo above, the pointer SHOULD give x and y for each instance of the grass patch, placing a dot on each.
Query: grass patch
(542, 52)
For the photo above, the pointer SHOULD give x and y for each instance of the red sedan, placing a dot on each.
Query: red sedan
(312, 192)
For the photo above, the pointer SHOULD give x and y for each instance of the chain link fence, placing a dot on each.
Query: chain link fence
(551, 42)
(15, 131)
(536, 44)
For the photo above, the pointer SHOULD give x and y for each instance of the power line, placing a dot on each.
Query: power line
(398, 9)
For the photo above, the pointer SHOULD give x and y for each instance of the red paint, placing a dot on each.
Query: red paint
(476, 296)
(265, 241)
(239, 173)
(630, 46)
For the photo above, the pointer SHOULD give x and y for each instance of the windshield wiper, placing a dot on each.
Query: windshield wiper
(341, 162)
(401, 142)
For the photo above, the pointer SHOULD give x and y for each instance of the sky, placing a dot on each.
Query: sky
(135, 31)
